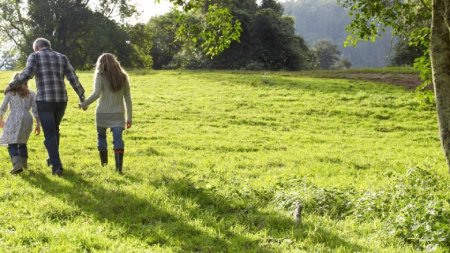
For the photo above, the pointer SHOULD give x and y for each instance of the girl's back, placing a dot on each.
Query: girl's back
(18, 103)
(19, 123)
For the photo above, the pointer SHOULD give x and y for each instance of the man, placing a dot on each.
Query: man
(49, 68)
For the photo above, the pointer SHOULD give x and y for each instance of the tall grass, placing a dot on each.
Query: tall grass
(214, 161)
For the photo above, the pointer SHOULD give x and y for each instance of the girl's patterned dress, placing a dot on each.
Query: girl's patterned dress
(19, 124)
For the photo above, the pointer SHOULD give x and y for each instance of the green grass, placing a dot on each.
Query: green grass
(214, 161)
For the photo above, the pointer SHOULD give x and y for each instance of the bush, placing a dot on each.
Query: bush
(414, 209)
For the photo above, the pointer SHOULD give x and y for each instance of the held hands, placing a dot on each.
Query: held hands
(81, 107)
(81, 101)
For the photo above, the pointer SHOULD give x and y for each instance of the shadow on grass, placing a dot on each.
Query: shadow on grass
(154, 225)
(137, 217)
(226, 213)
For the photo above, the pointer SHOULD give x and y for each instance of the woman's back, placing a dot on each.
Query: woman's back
(111, 101)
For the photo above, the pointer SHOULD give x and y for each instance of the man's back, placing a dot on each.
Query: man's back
(49, 68)
(49, 73)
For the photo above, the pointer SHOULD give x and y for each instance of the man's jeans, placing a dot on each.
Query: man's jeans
(50, 115)
(117, 138)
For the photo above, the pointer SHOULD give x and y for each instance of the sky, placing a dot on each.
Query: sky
(149, 8)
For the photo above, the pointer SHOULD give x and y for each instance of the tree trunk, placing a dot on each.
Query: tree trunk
(440, 63)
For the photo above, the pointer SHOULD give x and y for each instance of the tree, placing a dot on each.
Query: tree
(405, 54)
(217, 30)
(14, 24)
(272, 5)
(73, 27)
(413, 18)
(327, 54)
(168, 51)
(277, 46)
(267, 39)
(409, 19)
(8, 55)
(440, 63)
(141, 42)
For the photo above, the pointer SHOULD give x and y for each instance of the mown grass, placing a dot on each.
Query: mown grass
(214, 161)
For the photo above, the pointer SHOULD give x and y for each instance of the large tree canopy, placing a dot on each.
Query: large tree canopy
(218, 28)
(410, 18)
(75, 28)
(267, 39)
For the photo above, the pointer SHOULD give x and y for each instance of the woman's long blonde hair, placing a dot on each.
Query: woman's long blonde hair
(108, 66)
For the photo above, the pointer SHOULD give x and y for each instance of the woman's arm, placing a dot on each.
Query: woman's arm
(128, 104)
(96, 93)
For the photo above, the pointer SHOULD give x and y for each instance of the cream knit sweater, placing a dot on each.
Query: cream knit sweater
(110, 102)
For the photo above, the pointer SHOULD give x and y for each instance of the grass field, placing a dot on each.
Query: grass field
(215, 160)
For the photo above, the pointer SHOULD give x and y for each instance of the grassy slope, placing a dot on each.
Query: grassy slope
(205, 159)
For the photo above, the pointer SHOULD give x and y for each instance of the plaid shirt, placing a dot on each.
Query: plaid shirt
(49, 68)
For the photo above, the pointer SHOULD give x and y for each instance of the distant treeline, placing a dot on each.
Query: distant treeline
(325, 19)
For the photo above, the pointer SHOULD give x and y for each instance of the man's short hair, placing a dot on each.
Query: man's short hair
(41, 43)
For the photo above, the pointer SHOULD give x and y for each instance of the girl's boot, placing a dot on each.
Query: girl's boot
(118, 154)
(23, 152)
(17, 164)
(104, 157)
(24, 161)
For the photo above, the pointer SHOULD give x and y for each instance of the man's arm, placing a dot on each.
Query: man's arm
(26, 74)
(69, 72)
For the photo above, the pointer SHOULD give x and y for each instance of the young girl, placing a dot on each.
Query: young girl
(18, 126)
(112, 87)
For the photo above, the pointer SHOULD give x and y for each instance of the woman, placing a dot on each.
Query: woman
(111, 85)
